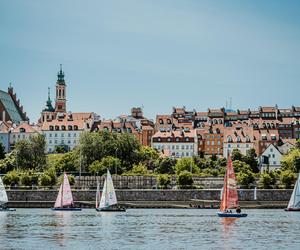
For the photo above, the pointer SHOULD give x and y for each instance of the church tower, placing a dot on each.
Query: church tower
(60, 103)
(48, 111)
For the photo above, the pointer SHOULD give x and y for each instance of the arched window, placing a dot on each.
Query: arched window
(59, 91)
(229, 139)
(220, 121)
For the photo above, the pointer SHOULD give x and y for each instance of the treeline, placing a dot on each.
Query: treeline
(122, 154)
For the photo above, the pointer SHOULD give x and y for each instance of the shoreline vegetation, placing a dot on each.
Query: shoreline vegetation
(28, 164)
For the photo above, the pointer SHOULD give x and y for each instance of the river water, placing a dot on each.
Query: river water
(148, 229)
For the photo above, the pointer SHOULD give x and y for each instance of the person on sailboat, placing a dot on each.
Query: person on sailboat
(238, 210)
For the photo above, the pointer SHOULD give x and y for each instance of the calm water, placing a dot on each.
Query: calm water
(148, 229)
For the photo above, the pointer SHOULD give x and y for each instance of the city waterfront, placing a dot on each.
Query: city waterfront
(148, 228)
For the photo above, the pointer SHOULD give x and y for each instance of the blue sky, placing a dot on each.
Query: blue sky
(156, 53)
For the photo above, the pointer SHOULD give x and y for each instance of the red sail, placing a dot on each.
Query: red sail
(229, 195)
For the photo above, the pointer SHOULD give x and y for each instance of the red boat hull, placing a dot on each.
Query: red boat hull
(292, 209)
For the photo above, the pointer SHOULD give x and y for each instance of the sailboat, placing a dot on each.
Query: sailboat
(64, 200)
(229, 198)
(294, 203)
(4, 199)
(108, 198)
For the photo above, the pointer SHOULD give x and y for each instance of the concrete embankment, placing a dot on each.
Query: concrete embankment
(153, 198)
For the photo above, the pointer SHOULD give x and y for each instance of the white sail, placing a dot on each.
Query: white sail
(108, 197)
(3, 194)
(295, 198)
(98, 198)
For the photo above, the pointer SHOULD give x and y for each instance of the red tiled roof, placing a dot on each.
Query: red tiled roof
(27, 127)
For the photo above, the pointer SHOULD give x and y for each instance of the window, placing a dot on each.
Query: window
(158, 139)
(247, 145)
(51, 128)
(69, 135)
(229, 146)
(173, 147)
(238, 139)
(56, 127)
(50, 135)
(161, 121)
(273, 155)
(55, 135)
(169, 121)
(22, 130)
(187, 139)
(212, 143)
(177, 138)
(229, 139)
(182, 146)
(274, 162)
(208, 142)
(70, 127)
(271, 149)
(63, 127)
(187, 153)
(169, 139)
(75, 127)
(186, 146)
(177, 147)
(247, 138)
(238, 145)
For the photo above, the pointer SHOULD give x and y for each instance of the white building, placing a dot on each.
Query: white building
(5, 134)
(238, 137)
(179, 143)
(66, 130)
(270, 158)
(23, 132)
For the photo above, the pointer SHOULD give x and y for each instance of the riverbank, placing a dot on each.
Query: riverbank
(204, 198)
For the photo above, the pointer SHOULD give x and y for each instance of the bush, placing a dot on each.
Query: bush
(11, 178)
(138, 169)
(245, 179)
(185, 180)
(265, 181)
(287, 178)
(26, 178)
(165, 166)
(111, 163)
(44, 180)
(186, 164)
(164, 181)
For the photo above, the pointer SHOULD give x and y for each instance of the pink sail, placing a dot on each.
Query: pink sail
(64, 197)
(230, 194)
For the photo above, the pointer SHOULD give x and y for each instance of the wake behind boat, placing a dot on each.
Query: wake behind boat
(108, 200)
(64, 200)
(294, 203)
(229, 196)
(4, 199)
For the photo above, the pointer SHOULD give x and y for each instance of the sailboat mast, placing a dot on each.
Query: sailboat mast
(106, 186)
(62, 190)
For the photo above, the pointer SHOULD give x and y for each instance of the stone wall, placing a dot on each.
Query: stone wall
(150, 195)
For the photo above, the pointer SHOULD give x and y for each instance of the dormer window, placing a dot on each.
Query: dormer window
(273, 137)
(75, 127)
(168, 121)
(169, 139)
(229, 139)
(70, 127)
(158, 139)
(247, 139)
(56, 127)
(264, 137)
(22, 130)
(187, 139)
(161, 121)
(177, 138)
(238, 139)
(63, 127)
(51, 128)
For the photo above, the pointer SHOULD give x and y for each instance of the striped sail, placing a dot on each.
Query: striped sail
(295, 198)
(108, 197)
(64, 197)
(229, 195)
(3, 194)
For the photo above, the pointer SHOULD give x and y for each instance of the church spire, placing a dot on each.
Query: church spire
(61, 76)
(49, 107)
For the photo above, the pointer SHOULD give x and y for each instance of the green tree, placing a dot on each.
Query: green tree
(291, 161)
(11, 178)
(38, 149)
(236, 155)
(139, 169)
(26, 178)
(251, 160)
(298, 144)
(245, 179)
(240, 166)
(165, 165)
(185, 180)
(265, 180)
(111, 163)
(67, 162)
(148, 156)
(186, 164)
(23, 154)
(60, 149)
(164, 181)
(2, 151)
(44, 180)
(8, 163)
(287, 178)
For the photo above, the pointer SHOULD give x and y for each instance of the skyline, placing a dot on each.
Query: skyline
(153, 54)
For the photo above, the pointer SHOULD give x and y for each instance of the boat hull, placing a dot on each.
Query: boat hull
(111, 209)
(7, 209)
(66, 209)
(292, 209)
(231, 215)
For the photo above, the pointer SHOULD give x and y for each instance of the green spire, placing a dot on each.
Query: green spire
(61, 76)
(49, 107)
